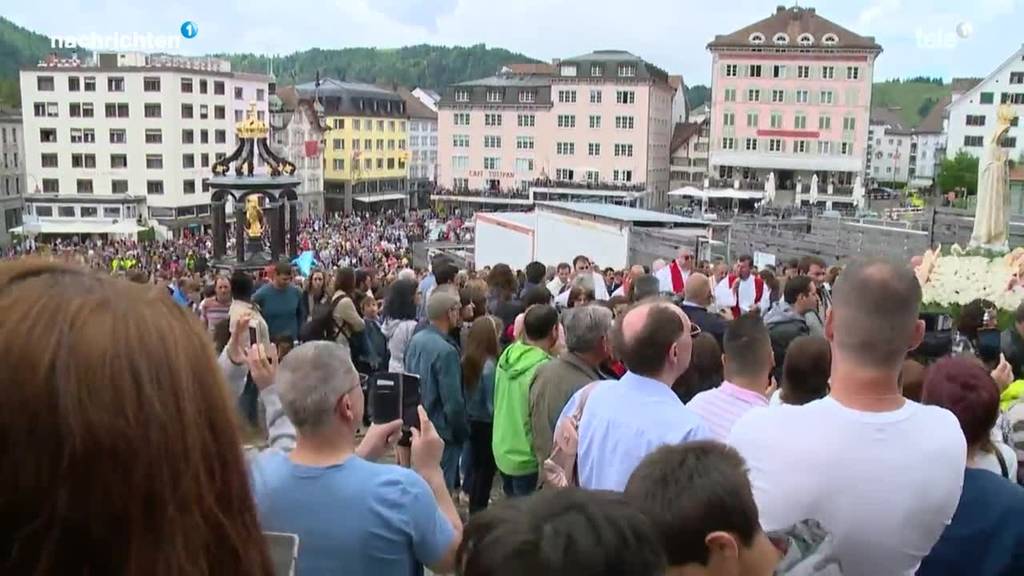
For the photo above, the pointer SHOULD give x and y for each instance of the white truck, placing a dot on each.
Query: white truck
(504, 238)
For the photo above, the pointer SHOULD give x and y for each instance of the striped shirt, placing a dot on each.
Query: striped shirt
(212, 313)
(721, 407)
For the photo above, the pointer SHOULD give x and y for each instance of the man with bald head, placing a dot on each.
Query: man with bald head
(697, 304)
(635, 271)
(674, 277)
(625, 420)
(883, 473)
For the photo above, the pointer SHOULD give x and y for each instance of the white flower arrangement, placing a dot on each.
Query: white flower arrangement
(960, 279)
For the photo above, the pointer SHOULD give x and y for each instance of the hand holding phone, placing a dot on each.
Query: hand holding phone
(385, 400)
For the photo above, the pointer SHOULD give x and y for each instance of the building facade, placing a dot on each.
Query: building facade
(297, 136)
(422, 143)
(972, 114)
(365, 142)
(690, 145)
(791, 95)
(12, 172)
(680, 106)
(601, 120)
(129, 136)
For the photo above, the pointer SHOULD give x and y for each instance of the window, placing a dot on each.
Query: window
(74, 83)
(239, 93)
(753, 95)
(186, 111)
(754, 70)
(567, 96)
(800, 146)
(187, 136)
(1008, 142)
(775, 144)
(460, 183)
(83, 160)
(778, 96)
(594, 149)
(730, 94)
(118, 187)
(802, 96)
(119, 110)
(238, 115)
(524, 143)
(566, 121)
(218, 112)
(380, 144)
(826, 97)
(731, 70)
(828, 72)
(729, 119)
(459, 118)
(48, 160)
(624, 122)
(115, 84)
(44, 83)
(849, 123)
(800, 122)
(204, 160)
(824, 122)
(47, 134)
(830, 39)
(526, 120)
(492, 119)
(824, 147)
(154, 186)
(151, 111)
(186, 85)
(803, 72)
(220, 136)
(624, 150)
(568, 70)
(752, 120)
(775, 120)
(986, 97)
(492, 141)
(51, 185)
(460, 162)
(89, 82)
(495, 96)
(625, 97)
(728, 143)
(975, 120)
(462, 95)
(118, 160)
(459, 140)
(622, 175)
(260, 95)
(154, 136)
(756, 38)
(627, 70)
(974, 141)
(751, 144)
(367, 163)
(66, 211)
(75, 110)
(151, 84)
(1011, 98)
(563, 174)
(492, 163)
(846, 148)
(595, 96)
(565, 148)
(76, 136)
(805, 39)
(852, 72)
(595, 121)
(527, 96)
(779, 71)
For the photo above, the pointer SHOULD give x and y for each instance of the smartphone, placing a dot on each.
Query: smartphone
(284, 550)
(989, 345)
(253, 337)
(385, 400)
(410, 401)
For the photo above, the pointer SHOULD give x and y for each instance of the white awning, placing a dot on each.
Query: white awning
(124, 227)
(690, 191)
(77, 227)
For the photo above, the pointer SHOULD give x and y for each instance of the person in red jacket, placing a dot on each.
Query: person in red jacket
(742, 290)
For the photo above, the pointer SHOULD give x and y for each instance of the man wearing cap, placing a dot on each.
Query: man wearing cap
(434, 357)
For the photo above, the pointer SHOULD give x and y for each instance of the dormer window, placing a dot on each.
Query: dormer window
(462, 95)
(756, 38)
(805, 39)
(780, 38)
(568, 70)
(527, 96)
(830, 39)
(495, 96)
(596, 70)
(627, 70)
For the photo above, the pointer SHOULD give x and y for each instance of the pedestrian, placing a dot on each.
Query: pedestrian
(479, 361)
(280, 303)
(216, 308)
(697, 306)
(787, 321)
(743, 291)
(399, 316)
(347, 321)
(806, 372)
(315, 294)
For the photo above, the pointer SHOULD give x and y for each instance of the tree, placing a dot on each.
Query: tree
(926, 107)
(961, 171)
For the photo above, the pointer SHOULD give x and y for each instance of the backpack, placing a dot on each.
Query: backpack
(559, 470)
(321, 325)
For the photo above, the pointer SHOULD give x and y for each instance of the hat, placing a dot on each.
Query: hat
(439, 303)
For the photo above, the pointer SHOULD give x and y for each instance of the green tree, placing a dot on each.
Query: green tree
(697, 95)
(961, 171)
(926, 107)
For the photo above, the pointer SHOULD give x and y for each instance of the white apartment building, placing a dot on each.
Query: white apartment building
(422, 111)
(12, 172)
(680, 107)
(690, 144)
(130, 136)
(972, 115)
(297, 135)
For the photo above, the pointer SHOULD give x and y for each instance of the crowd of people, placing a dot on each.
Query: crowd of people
(686, 417)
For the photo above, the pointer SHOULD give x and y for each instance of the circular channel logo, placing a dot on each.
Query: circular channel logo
(189, 29)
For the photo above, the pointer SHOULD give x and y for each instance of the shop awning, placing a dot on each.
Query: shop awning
(77, 227)
(379, 198)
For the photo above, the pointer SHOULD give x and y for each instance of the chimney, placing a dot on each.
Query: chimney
(780, 9)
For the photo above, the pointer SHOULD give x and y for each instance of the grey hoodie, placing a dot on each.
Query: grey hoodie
(398, 333)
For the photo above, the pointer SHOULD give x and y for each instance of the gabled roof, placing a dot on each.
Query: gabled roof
(889, 116)
(967, 95)
(644, 69)
(675, 81)
(504, 80)
(332, 87)
(414, 107)
(681, 133)
(961, 85)
(934, 120)
(793, 22)
(532, 68)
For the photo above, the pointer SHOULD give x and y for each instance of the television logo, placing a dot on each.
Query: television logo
(940, 39)
(189, 29)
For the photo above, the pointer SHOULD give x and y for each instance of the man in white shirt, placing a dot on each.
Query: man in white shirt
(743, 291)
(672, 278)
(582, 267)
(881, 473)
(560, 283)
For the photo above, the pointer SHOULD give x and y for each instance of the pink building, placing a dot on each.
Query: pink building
(791, 95)
(602, 120)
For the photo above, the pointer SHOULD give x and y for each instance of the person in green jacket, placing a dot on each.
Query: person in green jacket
(513, 439)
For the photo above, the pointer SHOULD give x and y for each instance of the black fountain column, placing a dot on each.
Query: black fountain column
(275, 217)
(293, 225)
(220, 239)
(239, 231)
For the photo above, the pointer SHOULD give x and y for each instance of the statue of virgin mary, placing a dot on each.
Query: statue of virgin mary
(992, 218)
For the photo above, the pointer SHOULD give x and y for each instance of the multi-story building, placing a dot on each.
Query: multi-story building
(888, 149)
(129, 135)
(690, 154)
(601, 120)
(791, 95)
(365, 152)
(297, 135)
(422, 144)
(972, 114)
(680, 107)
(12, 172)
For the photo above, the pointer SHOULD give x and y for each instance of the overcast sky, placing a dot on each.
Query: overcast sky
(918, 38)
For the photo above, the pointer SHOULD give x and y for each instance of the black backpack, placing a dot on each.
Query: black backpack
(321, 325)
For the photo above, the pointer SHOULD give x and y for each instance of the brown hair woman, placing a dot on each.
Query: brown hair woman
(119, 450)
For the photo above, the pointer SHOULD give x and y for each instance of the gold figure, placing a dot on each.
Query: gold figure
(253, 217)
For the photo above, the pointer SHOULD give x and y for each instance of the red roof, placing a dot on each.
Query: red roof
(793, 22)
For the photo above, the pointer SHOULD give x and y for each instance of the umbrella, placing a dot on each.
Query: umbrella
(305, 262)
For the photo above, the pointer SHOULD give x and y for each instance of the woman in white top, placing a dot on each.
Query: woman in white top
(399, 316)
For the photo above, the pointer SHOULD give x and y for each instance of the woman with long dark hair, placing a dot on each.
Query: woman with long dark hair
(479, 359)
(315, 293)
(121, 452)
(399, 317)
(501, 300)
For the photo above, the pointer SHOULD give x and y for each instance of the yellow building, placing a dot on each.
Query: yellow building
(365, 143)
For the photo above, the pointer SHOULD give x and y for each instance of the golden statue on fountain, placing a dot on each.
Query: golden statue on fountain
(254, 222)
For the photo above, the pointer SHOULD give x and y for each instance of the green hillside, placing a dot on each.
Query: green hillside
(18, 47)
(915, 96)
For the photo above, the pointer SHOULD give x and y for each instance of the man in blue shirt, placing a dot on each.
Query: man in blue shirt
(624, 421)
(279, 303)
(351, 516)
